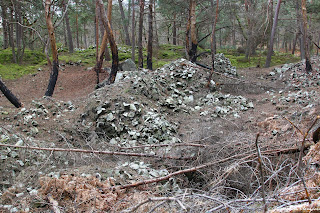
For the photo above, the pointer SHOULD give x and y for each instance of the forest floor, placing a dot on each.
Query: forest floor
(216, 132)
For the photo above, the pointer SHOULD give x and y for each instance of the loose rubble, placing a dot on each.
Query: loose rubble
(175, 88)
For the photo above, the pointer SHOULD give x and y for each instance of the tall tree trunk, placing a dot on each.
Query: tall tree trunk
(18, 28)
(140, 59)
(69, 33)
(5, 25)
(11, 38)
(188, 32)
(65, 37)
(133, 29)
(77, 24)
(97, 21)
(129, 14)
(9, 95)
(274, 28)
(305, 36)
(156, 38)
(125, 24)
(85, 35)
(113, 45)
(174, 29)
(249, 40)
(294, 44)
(213, 39)
(55, 64)
(150, 36)
(193, 33)
(109, 16)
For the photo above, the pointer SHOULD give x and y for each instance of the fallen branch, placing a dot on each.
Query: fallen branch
(302, 148)
(154, 180)
(97, 152)
(155, 199)
(164, 145)
(261, 174)
(242, 157)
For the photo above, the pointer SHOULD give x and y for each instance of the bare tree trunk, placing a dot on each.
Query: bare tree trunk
(85, 36)
(113, 45)
(5, 25)
(65, 37)
(77, 26)
(213, 39)
(295, 43)
(193, 33)
(188, 32)
(9, 95)
(133, 29)
(97, 20)
(174, 29)
(109, 15)
(14, 58)
(156, 38)
(305, 36)
(125, 24)
(129, 12)
(55, 65)
(140, 59)
(150, 37)
(274, 28)
(69, 33)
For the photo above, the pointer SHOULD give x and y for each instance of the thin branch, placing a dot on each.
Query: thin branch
(63, 15)
(261, 174)
(42, 40)
(293, 125)
(96, 152)
(164, 145)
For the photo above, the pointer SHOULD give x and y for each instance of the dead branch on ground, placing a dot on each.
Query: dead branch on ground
(261, 174)
(97, 152)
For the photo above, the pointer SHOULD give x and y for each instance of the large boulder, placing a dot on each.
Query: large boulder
(128, 65)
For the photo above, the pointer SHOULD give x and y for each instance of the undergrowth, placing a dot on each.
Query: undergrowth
(164, 54)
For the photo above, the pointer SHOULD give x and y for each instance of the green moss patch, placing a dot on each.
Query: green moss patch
(32, 60)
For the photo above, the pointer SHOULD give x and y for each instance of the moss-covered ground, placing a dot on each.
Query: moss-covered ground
(33, 60)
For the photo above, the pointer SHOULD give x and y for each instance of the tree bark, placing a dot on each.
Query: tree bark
(274, 28)
(174, 29)
(140, 59)
(294, 44)
(129, 12)
(213, 39)
(77, 25)
(109, 15)
(305, 36)
(155, 37)
(85, 36)
(193, 33)
(55, 65)
(125, 24)
(113, 45)
(213, 35)
(133, 29)
(65, 37)
(150, 36)
(69, 33)
(11, 39)
(9, 95)
(5, 25)
(188, 32)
